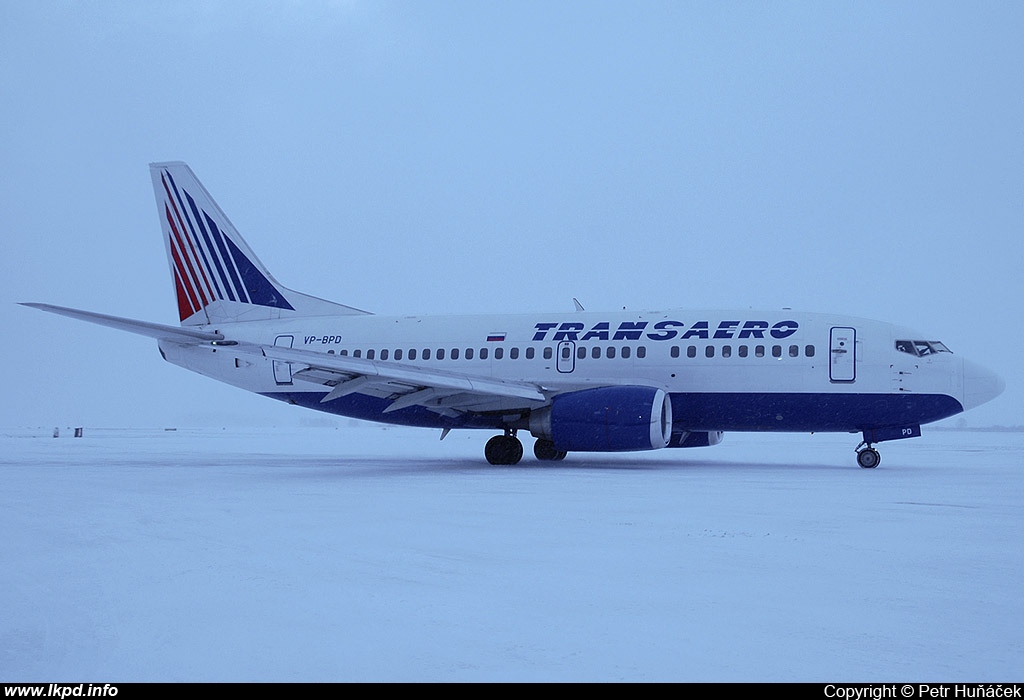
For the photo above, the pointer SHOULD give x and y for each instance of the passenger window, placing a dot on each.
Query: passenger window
(794, 351)
(343, 353)
(742, 351)
(809, 351)
(513, 354)
(454, 354)
(412, 354)
(483, 353)
(641, 352)
(547, 353)
(499, 353)
(426, 353)
(726, 351)
(776, 351)
(469, 353)
(357, 353)
(595, 352)
(369, 354)
(530, 353)
(759, 351)
(440, 353)
(709, 351)
(691, 351)
(581, 352)
(674, 352)
(625, 352)
(610, 352)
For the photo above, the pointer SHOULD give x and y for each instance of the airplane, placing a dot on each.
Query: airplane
(577, 381)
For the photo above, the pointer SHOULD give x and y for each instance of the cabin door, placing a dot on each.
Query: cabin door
(283, 370)
(843, 354)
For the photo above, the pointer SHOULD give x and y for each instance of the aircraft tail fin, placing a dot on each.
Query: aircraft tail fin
(217, 277)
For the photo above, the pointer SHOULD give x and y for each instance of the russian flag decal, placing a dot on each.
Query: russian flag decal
(495, 337)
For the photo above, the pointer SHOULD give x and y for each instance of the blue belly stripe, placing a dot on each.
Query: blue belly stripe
(745, 412)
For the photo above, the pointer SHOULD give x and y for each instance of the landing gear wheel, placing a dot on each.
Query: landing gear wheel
(545, 451)
(868, 458)
(503, 449)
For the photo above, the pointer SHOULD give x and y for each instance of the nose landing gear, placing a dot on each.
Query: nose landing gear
(867, 456)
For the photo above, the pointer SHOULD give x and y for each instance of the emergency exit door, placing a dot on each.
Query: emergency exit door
(565, 361)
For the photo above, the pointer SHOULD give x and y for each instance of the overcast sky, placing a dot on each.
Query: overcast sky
(442, 157)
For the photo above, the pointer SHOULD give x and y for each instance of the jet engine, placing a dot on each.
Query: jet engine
(606, 419)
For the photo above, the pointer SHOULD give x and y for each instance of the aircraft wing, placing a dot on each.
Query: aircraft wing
(445, 392)
(439, 390)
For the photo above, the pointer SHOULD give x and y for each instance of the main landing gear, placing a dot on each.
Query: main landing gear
(545, 451)
(504, 449)
(507, 450)
(867, 456)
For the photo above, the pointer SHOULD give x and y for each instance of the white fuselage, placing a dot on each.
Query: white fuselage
(724, 370)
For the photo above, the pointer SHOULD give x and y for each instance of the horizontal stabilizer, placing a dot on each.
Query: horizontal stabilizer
(153, 330)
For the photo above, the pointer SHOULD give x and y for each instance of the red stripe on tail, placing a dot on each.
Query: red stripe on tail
(184, 309)
(202, 270)
(188, 261)
(183, 280)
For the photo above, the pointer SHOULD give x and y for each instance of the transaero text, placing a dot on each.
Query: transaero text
(664, 330)
(923, 690)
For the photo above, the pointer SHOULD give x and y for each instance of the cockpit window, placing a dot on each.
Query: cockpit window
(920, 348)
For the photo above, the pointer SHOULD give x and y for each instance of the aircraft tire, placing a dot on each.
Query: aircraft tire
(868, 458)
(545, 451)
(503, 450)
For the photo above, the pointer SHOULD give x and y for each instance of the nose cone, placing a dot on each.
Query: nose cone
(980, 385)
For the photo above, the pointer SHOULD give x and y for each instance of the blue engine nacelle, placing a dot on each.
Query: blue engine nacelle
(606, 419)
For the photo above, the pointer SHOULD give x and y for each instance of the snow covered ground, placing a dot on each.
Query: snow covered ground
(363, 553)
